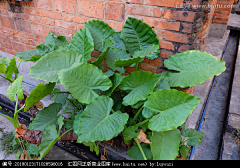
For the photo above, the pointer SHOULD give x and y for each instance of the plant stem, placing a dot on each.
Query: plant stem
(141, 123)
(112, 111)
(136, 115)
(143, 154)
(139, 65)
(65, 133)
(7, 79)
(60, 92)
(136, 69)
(17, 68)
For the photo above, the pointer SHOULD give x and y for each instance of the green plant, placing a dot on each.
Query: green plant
(8, 68)
(104, 105)
(6, 143)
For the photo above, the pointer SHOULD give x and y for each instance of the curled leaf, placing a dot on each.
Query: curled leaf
(142, 137)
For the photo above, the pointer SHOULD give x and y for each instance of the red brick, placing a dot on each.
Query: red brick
(27, 4)
(162, 24)
(43, 4)
(184, 48)
(115, 11)
(6, 43)
(156, 62)
(80, 27)
(157, 12)
(166, 3)
(33, 37)
(144, 10)
(39, 29)
(129, 70)
(187, 28)
(28, 41)
(111, 24)
(13, 15)
(176, 37)
(28, 17)
(23, 25)
(179, 15)
(160, 71)
(2, 49)
(7, 22)
(147, 67)
(16, 33)
(90, 8)
(61, 32)
(46, 21)
(220, 22)
(52, 15)
(4, 30)
(120, 26)
(18, 47)
(135, 1)
(68, 6)
(165, 54)
(33, 11)
(76, 19)
(166, 45)
(30, 47)
(65, 25)
(11, 52)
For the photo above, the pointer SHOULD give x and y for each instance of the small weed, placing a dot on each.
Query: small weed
(7, 143)
(238, 133)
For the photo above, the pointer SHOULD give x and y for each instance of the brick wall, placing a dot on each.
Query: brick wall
(24, 25)
(222, 11)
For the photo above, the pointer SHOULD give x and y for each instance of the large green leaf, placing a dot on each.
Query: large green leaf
(48, 67)
(100, 31)
(4, 61)
(82, 42)
(16, 89)
(194, 136)
(82, 79)
(116, 54)
(174, 107)
(117, 41)
(141, 84)
(12, 68)
(55, 41)
(195, 67)
(97, 124)
(45, 117)
(34, 54)
(135, 153)
(50, 137)
(163, 82)
(107, 44)
(3, 68)
(116, 80)
(165, 144)
(138, 35)
(128, 62)
(38, 93)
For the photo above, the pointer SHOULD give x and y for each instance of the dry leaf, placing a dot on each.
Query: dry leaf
(103, 157)
(24, 156)
(39, 105)
(142, 137)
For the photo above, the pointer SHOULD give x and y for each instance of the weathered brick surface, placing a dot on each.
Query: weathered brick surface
(115, 11)
(222, 11)
(178, 29)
